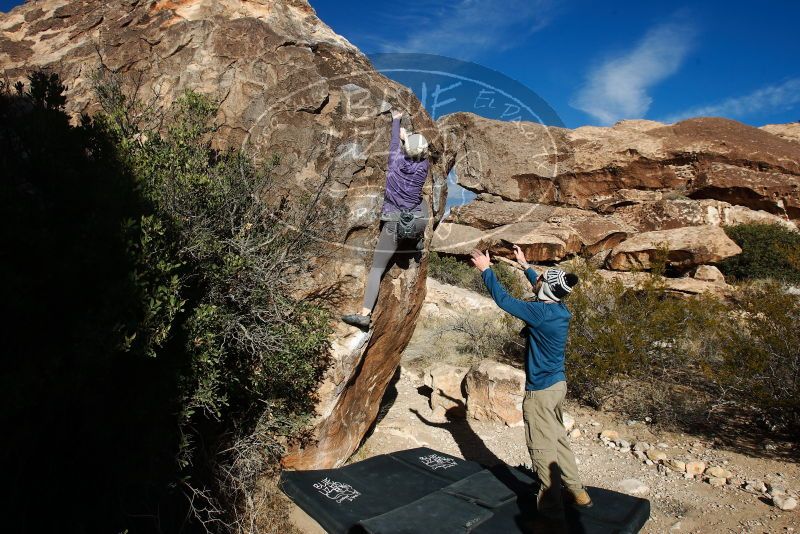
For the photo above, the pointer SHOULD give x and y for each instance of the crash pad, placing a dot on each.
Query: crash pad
(423, 490)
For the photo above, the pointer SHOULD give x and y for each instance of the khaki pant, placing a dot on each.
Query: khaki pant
(546, 437)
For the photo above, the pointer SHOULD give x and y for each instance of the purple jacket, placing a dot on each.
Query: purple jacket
(404, 178)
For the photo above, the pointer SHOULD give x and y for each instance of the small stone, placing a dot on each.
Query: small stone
(568, 421)
(662, 445)
(635, 487)
(687, 476)
(775, 489)
(717, 482)
(641, 446)
(695, 468)
(594, 423)
(755, 486)
(648, 462)
(575, 433)
(715, 471)
(609, 435)
(639, 455)
(622, 444)
(656, 455)
(784, 503)
(676, 465)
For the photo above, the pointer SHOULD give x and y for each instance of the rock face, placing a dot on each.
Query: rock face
(447, 392)
(687, 247)
(495, 392)
(286, 84)
(588, 167)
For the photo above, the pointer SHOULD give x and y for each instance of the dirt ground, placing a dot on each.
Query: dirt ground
(678, 504)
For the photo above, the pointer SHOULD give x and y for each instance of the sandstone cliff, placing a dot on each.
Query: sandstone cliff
(288, 85)
(620, 193)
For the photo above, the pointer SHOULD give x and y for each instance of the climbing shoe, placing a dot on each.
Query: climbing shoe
(579, 498)
(355, 319)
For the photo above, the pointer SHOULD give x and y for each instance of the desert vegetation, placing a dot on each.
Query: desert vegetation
(157, 361)
(677, 361)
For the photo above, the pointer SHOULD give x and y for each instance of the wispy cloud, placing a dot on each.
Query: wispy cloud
(780, 97)
(618, 88)
(467, 29)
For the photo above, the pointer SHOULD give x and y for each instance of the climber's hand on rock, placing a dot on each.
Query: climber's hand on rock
(397, 113)
(481, 260)
(520, 257)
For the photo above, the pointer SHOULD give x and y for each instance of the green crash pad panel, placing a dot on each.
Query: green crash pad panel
(423, 490)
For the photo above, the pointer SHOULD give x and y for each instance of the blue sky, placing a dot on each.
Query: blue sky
(598, 62)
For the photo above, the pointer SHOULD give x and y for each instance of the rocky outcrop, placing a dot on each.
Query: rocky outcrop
(447, 301)
(447, 391)
(587, 167)
(458, 239)
(286, 85)
(685, 248)
(666, 214)
(495, 392)
(790, 132)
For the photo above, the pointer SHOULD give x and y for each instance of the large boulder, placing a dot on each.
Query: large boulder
(666, 214)
(460, 239)
(447, 391)
(587, 167)
(495, 392)
(685, 248)
(287, 85)
(577, 230)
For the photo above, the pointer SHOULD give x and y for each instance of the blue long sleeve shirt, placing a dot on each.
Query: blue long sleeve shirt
(547, 327)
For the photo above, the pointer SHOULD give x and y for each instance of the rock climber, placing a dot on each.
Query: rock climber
(546, 326)
(404, 215)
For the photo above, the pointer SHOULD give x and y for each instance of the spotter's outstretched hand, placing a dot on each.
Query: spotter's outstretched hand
(481, 260)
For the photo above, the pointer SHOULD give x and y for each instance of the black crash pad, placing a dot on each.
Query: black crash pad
(423, 490)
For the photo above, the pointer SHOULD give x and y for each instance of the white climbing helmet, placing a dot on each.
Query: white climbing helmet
(416, 145)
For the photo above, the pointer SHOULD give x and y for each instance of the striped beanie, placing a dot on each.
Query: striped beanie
(556, 285)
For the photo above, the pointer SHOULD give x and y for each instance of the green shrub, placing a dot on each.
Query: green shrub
(768, 251)
(156, 351)
(619, 336)
(759, 366)
(461, 273)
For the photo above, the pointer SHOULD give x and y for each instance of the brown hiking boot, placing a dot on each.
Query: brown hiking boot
(579, 498)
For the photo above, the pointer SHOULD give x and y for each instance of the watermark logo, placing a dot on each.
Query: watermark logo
(333, 135)
(337, 491)
(435, 461)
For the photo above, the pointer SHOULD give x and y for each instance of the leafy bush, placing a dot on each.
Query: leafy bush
(150, 283)
(618, 335)
(453, 271)
(768, 251)
(759, 365)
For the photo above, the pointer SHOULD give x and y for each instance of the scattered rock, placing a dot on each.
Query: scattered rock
(676, 465)
(633, 486)
(784, 503)
(575, 433)
(656, 455)
(709, 273)
(716, 471)
(609, 435)
(569, 422)
(641, 446)
(695, 468)
(717, 482)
